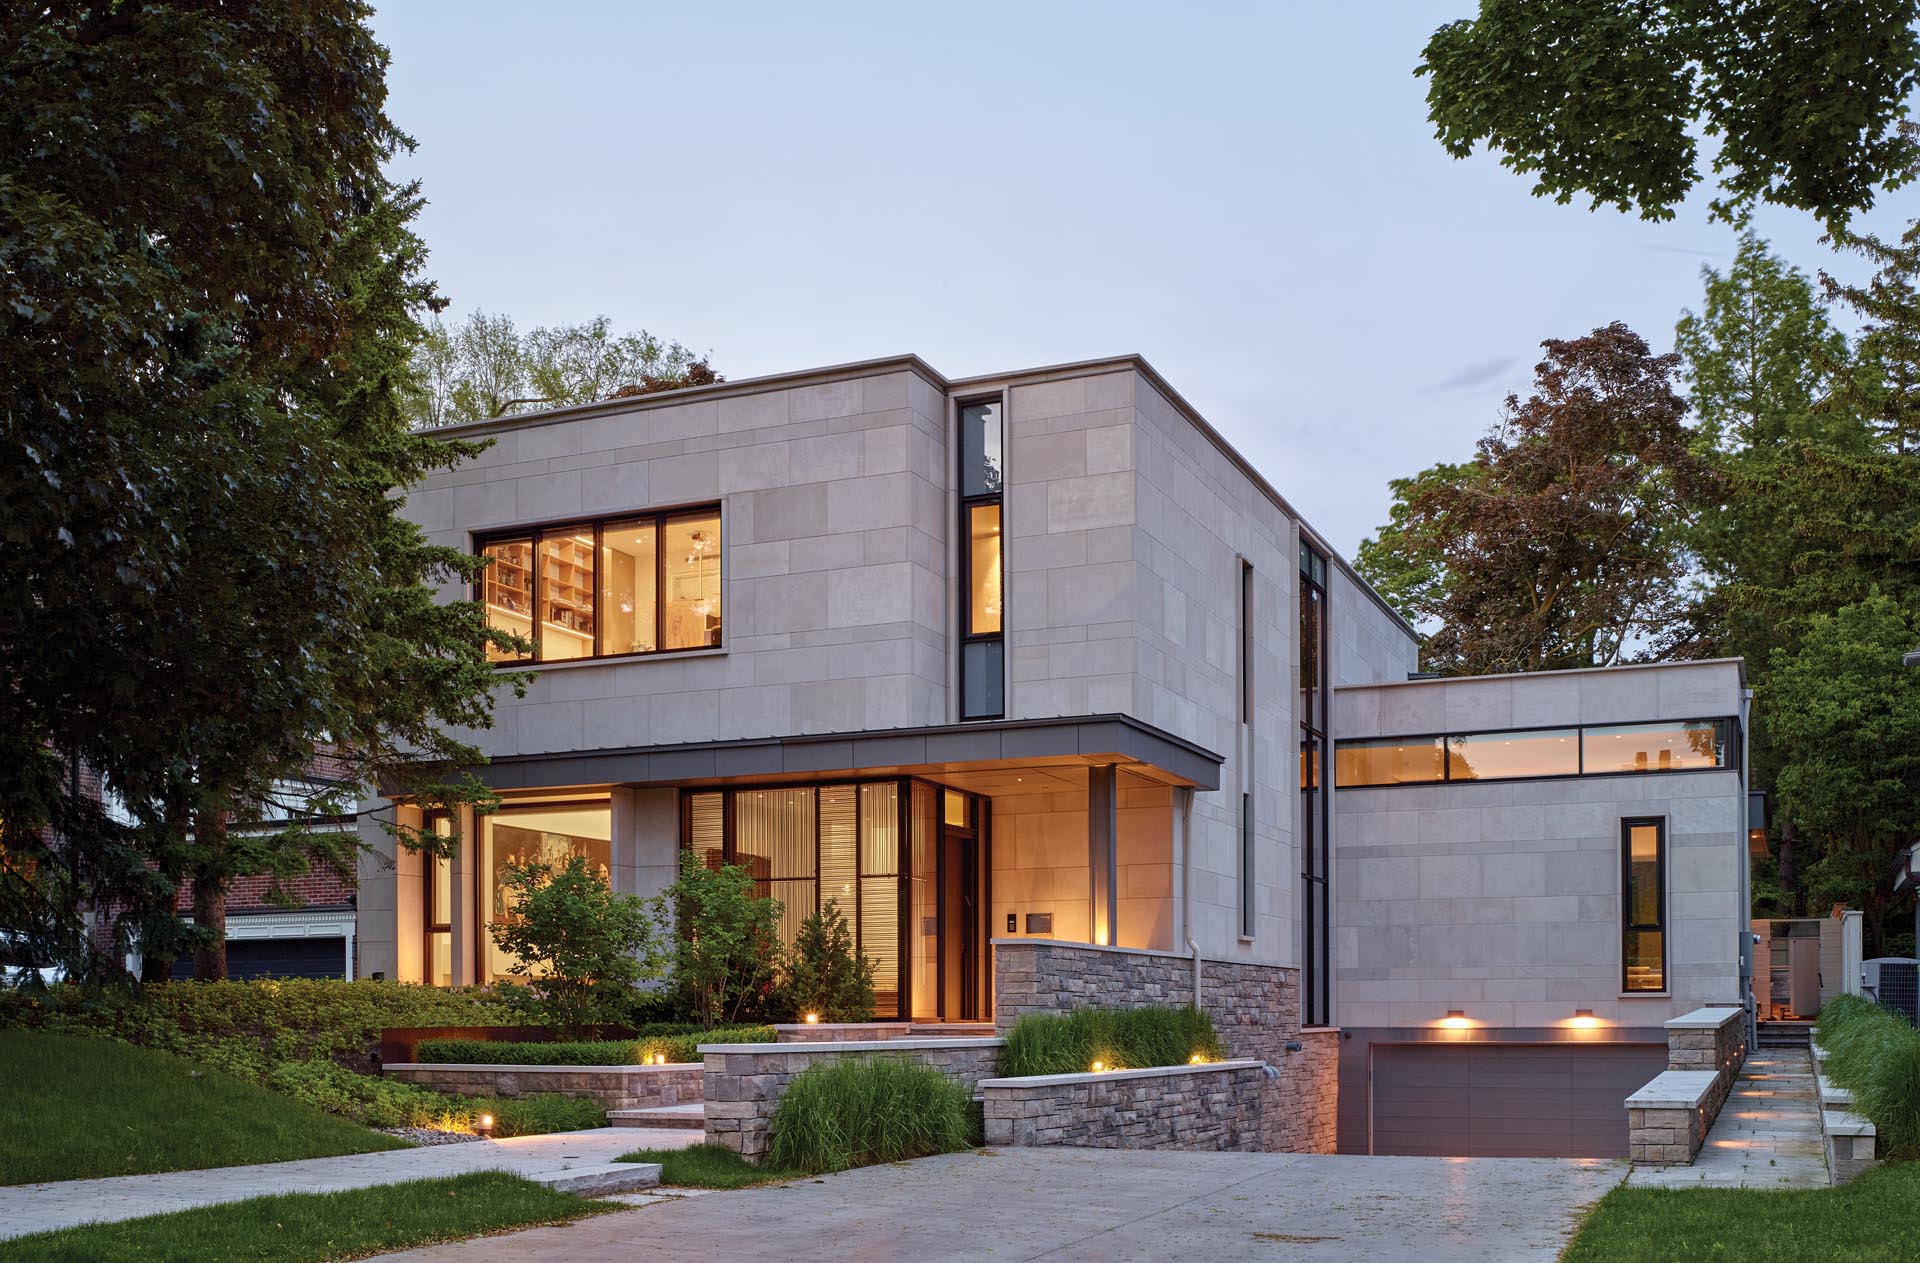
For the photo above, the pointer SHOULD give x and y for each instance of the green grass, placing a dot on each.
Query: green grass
(311, 1227)
(864, 1110)
(1868, 1221)
(708, 1166)
(677, 1047)
(75, 1107)
(1120, 1039)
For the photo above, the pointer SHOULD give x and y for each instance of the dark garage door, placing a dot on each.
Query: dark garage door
(1507, 1101)
(280, 958)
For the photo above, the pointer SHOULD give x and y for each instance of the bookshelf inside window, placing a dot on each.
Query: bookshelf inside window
(566, 595)
(507, 589)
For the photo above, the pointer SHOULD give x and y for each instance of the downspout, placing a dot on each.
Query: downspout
(1186, 886)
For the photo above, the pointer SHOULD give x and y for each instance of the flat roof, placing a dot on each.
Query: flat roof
(1740, 663)
(914, 364)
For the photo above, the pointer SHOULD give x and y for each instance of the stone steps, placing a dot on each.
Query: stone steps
(951, 1030)
(601, 1179)
(692, 1116)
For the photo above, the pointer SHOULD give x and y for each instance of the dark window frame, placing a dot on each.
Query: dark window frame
(1628, 926)
(968, 503)
(1729, 744)
(428, 880)
(1316, 799)
(658, 519)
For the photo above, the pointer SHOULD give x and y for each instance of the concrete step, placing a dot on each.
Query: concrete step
(951, 1030)
(599, 1179)
(692, 1116)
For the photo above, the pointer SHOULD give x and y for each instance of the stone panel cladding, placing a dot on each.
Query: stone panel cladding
(838, 1032)
(1211, 1107)
(745, 1082)
(1255, 1008)
(616, 1087)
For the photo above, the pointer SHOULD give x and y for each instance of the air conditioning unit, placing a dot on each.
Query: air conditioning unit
(1894, 981)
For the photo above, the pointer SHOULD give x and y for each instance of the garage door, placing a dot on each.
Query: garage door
(279, 958)
(1507, 1101)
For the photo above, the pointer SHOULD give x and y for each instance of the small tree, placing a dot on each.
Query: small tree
(583, 946)
(825, 975)
(727, 949)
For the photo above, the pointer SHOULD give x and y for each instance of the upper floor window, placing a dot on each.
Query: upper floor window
(609, 588)
(982, 633)
(1668, 746)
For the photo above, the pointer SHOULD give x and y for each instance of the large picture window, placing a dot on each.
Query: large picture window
(535, 833)
(1692, 745)
(606, 589)
(1643, 904)
(982, 632)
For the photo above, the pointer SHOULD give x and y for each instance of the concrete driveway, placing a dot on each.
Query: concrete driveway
(1102, 1206)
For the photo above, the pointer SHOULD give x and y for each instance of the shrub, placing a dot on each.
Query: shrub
(1122, 1039)
(1875, 1054)
(537, 1115)
(582, 946)
(727, 952)
(825, 975)
(676, 1046)
(864, 1110)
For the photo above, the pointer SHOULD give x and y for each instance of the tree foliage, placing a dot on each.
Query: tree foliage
(1603, 97)
(727, 945)
(1562, 543)
(485, 367)
(1850, 714)
(210, 292)
(582, 946)
(826, 974)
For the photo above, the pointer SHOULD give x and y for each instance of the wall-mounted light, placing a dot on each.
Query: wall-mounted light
(1456, 1019)
(1584, 1019)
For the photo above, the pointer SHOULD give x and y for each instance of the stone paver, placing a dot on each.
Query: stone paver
(26, 1208)
(1102, 1206)
(1767, 1135)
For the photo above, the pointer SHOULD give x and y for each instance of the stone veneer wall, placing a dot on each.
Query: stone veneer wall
(1255, 1009)
(745, 1082)
(1721, 1048)
(1211, 1107)
(616, 1087)
(1667, 1132)
(837, 1032)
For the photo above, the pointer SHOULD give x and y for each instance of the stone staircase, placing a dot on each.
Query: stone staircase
(1784, 1034)
(692, 1115)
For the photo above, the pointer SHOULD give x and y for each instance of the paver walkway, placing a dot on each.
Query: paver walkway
(28, 1208)
(1767, 1135)
(1109, 1206)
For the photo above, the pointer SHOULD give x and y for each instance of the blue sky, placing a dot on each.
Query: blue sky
(1248, 195)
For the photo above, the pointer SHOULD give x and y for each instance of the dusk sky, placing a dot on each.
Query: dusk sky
(1248, 195)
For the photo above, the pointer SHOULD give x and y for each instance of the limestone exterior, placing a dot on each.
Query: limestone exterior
(1036, 658)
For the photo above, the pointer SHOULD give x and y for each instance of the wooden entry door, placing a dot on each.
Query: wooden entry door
(960, 927)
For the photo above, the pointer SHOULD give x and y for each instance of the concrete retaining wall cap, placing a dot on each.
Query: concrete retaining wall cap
(1089, 1076)
(1845, 1123)
(546, 1067)
(1675, 1089)
(1707, 1019)
(827, 1047)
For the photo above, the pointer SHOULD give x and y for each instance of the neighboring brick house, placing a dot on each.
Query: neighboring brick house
(1037, 656)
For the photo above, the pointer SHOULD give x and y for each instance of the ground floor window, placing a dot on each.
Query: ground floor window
(876, 850)
(545, 833)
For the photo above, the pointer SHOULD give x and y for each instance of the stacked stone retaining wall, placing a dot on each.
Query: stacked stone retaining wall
(616, 1087)
(1209, 1107)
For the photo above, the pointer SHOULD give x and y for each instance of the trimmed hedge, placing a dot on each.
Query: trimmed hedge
(1875, 1054)
(1121, 1039)
(864, 1110)
(682, 1047)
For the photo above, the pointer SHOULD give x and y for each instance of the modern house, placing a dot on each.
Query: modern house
(1038, 658)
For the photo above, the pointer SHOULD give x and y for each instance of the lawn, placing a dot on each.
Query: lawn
(310, 1227)
(708, 1166)
(76, 1107)
(1870, 1220)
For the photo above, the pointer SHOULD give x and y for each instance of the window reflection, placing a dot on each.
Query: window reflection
(980, 449)
(1487, 757)
(1661, 747)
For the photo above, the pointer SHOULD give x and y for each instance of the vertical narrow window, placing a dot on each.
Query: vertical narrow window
(506, 591)
(982, 643)
(1248, 874)
(1316, 860)
(775, 838)
(880, 890)
(439, 886)
(1643, 902)
(629, 572)
(1247, 908)
(566, 595)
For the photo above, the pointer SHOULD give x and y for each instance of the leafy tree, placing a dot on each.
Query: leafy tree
(209, 292)
(727, 951)
(1886, 388)
(825, 974)
(485, 367)
(1563, 542)
(1848, 714)
(583, 946)
(1603, 97)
